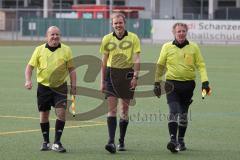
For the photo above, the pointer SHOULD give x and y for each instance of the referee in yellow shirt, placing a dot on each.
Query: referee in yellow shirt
(179, 59)
(119, 73)
(53, 61)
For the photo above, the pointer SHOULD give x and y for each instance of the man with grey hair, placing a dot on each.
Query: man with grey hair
(180, 59)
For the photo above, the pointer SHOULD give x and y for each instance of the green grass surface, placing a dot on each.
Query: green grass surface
(213, 131)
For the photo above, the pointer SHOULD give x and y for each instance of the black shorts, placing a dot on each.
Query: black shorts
(182, 92)
(118, 82)
(47, 97)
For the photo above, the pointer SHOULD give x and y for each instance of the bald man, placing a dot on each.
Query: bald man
(53, 61)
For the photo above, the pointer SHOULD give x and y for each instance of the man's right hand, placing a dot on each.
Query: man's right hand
(28, 84)
(157, 89)
(205, 86)
(206, 90)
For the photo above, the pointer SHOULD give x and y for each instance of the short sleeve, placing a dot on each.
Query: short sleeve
(104, 45)
(137, 45)
(34, 59)
(70, 63)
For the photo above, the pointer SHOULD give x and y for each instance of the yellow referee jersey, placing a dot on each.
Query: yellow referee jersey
(180, 63)
(120, 51)
(52, 67)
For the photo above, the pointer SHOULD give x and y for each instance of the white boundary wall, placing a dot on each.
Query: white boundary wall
(202, 31)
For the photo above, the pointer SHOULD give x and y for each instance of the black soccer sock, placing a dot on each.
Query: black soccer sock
(123, 129)
(112, 125)
(45, 131)
(173, 127)
(59, 126)
(181, 132)
(183, 123)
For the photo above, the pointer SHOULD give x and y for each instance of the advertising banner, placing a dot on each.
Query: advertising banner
(204, 31)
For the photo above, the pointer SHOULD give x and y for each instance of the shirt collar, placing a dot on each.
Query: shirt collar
(125, 34)
(52, 49)
(175, 42)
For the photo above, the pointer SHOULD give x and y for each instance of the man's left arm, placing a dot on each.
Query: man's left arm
(73, 80)
(136, 67)
(200, 64)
